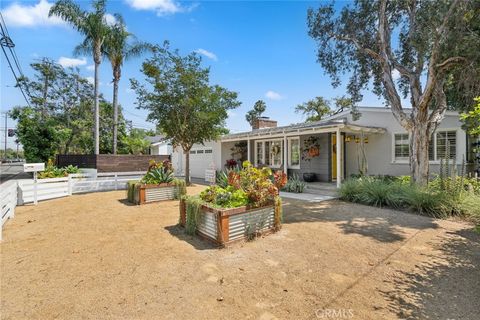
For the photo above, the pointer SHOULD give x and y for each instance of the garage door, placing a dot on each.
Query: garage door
(200, 160)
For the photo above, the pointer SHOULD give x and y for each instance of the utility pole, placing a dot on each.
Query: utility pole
(6, 136)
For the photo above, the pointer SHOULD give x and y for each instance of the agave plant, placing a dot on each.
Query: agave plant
(158, 176)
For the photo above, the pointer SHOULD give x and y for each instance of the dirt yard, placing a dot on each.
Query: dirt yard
(94, 256)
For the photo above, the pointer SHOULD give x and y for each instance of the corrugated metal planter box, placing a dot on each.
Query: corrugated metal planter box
(225, 226)
(147, 193)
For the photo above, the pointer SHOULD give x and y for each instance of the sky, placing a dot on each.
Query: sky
(259, 49)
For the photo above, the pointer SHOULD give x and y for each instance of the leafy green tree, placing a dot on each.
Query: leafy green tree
(106, 124)
(315, 109)
(93, 25)
(471, 119)
(38, 135)
(372, 39)
(181, 101)
(258, 109)
(136, 142)
(120, 45)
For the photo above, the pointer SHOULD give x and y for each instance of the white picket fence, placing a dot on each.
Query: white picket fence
(8, 202)
(43, 189)
(19, 192)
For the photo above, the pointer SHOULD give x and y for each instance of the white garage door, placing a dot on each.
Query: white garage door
(200, 160)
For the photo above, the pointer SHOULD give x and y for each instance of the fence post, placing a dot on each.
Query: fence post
(115, 181)
(35, 200)
(69, 185)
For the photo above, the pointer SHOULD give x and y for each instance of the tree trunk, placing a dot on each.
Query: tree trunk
(115, 114)
(419, 162)
(97, 107)
(187, 166)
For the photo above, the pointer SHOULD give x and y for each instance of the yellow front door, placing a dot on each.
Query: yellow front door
(334, 156)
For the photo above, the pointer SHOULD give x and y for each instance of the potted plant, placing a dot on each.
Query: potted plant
(248, 206)
(157, 184)
(310, 150)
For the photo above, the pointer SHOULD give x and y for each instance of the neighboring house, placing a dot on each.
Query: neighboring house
(375, 141)
(160, 146)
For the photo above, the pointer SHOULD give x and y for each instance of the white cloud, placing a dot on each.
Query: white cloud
(71, 62)
(90, 67)
(161, 7)
(395, 74)
(272, 95)
(90, 79)
(110, 19)
(19, 15)
(207, 54)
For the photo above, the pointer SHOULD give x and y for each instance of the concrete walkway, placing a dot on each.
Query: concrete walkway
(309, 197)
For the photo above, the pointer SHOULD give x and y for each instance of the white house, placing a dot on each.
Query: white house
(160, 146)
(375, 142)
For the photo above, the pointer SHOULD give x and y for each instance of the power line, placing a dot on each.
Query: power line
(6, 42)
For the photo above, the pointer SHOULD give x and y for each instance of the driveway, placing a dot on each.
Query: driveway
(95, 256)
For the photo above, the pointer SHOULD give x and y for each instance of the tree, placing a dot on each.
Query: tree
(315, 109)
(106, 124)
(471, 119)
(119, 47)
(93, 26)
(258, 109)
(37, 134)
(372, 39)
(181, 101)
(135, 142)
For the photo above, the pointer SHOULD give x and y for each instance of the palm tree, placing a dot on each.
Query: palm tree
(120, 45)
(94, 27)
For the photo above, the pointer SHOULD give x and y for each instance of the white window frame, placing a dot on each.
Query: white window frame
(433, 142)
(394, 159)
(262, 142)
(289, 148)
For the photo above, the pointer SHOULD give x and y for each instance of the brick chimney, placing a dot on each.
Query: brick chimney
(263, 122)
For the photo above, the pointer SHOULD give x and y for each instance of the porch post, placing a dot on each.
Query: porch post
(285, 155)
(339, 157)
(248, 151)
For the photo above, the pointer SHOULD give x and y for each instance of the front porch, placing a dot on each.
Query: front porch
(304, 150)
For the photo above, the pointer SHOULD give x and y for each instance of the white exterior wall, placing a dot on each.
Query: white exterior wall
(178, 159)
(161, 149)
(379, 150)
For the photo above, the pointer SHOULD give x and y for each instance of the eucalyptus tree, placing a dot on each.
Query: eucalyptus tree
(120, 45)
(420, 40)
(93, 26)
(181, 101)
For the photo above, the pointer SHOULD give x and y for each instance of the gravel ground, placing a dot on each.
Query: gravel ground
(94, 256)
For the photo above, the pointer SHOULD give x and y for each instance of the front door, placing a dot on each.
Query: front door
(333, 147)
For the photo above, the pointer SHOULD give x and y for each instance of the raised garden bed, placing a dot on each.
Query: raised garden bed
(224, 226)
(243, 206)
(158, 184)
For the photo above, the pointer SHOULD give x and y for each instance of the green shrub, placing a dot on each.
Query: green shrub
(180, 188)
(426, 202)
(192, 210)
(132, 187)
(158, 176)
(294, 184)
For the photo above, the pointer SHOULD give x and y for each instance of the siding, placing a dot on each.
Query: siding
(320, 165)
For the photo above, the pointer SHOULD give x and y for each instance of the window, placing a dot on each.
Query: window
(199, 151)
(208, 151)
(294, 153)
(442, 144)
(269, 153)
(446, 145)
(401, 146)
(193, 151)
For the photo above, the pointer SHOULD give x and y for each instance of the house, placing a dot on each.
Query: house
(160, 146)
(375, 143)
